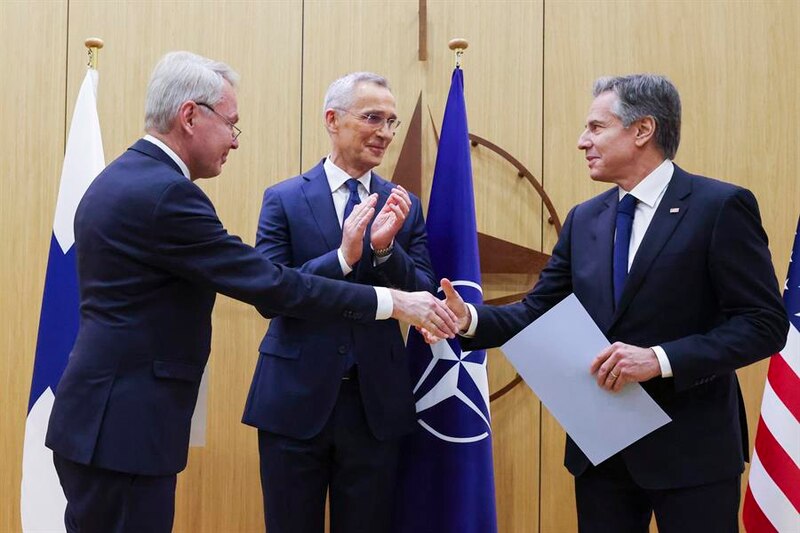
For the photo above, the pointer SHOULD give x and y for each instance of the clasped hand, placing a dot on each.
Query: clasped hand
(386, 225)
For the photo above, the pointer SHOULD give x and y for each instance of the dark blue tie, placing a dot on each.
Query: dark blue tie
(353, 200)
(625, 211)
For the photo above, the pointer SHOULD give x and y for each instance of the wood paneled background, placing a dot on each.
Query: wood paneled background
(528, 73)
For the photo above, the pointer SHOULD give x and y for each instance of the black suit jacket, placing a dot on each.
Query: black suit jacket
(301, 362)
(152, 255)
(701, 286)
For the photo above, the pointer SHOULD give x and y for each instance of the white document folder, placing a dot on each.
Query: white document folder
(553, 355)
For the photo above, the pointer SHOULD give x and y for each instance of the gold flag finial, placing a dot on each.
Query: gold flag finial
(458, 46)
(94, 45)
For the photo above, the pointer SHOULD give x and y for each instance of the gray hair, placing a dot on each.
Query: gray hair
(182, 76)
(642, 95)
(341, 93)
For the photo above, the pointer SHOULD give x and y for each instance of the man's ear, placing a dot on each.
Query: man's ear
(187, 115)
(331, 120)
(645, 129)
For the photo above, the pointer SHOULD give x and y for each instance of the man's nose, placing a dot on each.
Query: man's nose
(583, 141)
(385, 132)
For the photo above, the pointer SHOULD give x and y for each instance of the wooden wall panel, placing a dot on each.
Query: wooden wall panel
(358, 35)
(735, 65)
(32, 140)
(503, 87)
(220, 490)
(528, 75)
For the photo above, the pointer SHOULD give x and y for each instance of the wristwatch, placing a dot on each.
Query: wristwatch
(383, 252)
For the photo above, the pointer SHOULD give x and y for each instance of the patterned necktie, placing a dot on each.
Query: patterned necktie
(625, 211)
(353, 200)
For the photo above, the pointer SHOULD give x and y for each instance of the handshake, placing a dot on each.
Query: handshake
(435, 319)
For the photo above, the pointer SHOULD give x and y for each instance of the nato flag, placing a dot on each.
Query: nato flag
(446, 480)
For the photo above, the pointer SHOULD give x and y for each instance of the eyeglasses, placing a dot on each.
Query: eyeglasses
(235, 132)
(376, 121)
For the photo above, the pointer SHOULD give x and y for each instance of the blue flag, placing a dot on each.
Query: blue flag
(446, 479)
(42, 500)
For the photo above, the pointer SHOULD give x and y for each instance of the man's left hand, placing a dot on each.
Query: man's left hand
(621, 363)
(390, 219)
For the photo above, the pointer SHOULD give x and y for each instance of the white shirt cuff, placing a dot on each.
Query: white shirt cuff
(473, 321)
(385, 304)
(342, 263)
(663, 361)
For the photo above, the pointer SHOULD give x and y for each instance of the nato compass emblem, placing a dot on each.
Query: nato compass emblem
(452, 389)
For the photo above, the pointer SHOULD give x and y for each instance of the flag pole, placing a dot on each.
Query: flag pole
(458, 46)
(93, 44)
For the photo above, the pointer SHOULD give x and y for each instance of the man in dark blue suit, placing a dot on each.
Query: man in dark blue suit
(152, 255)
(331, 398)
(675, 270)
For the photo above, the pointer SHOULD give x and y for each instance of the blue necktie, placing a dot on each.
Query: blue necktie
(625, 211)
(353, 200)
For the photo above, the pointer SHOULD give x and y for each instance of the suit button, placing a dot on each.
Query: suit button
(343, 349)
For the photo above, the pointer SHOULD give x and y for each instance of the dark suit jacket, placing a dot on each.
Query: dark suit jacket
(702, 286)
(152, 255)
(301, 362)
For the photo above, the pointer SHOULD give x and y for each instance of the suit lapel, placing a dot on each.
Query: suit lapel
(318, 195)
(602, 250)
(670, 212)
(383, 188)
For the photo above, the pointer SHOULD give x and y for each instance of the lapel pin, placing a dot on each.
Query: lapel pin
(674, 209)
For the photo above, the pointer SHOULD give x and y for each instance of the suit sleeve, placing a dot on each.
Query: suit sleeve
(273, 240)
(746, 289)
(496, 325)
(409, 267)
(190, 241)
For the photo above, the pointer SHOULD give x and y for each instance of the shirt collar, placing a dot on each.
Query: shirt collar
(653, 185)
(337, 177)
(172, 155)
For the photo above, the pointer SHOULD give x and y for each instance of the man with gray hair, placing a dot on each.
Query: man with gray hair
(674, 268)
(151, 256)
(331, 399)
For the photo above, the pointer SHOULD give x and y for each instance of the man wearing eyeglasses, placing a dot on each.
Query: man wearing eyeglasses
(151, 256)
(331, 399)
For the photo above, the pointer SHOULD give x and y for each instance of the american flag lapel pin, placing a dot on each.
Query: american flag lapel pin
(674, 209)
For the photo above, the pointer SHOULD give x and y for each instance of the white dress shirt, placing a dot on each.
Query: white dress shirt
(172, 155)
(337, 181)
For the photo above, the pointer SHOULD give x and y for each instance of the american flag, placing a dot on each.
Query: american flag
(772, 501)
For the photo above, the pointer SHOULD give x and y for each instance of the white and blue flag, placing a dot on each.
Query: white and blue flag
(446, 478)
(42, 500)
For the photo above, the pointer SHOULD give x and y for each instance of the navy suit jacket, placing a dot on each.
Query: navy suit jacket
(151, 256)
(701, 286)
(301, 362)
